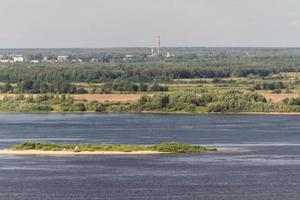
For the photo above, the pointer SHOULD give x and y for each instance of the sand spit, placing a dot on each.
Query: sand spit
(71, 153)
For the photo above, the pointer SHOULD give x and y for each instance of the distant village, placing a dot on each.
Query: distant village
(78, 59)
(16, 58)
(12, 58)
(152, 54)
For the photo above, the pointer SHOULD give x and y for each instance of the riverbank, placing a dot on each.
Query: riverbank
(216, 113)
(183, 103)
(161, 113)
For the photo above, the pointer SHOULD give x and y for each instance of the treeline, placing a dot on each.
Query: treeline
(275, 85)
(58, 103)
(147, 72)
(20, 103)
(188, 101)
(187, 63)
(231, 101)
(184, 101)
(237, 101)
(127, 86)
(292, 101)
(36, 87)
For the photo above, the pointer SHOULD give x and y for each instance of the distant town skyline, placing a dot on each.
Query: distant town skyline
(138, 23)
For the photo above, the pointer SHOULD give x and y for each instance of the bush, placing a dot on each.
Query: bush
(236, 101)
(72, 107)
(10, 104)
(175, 147)
(100, 108)
(157, 88)
(183, 101)
(277, 91)
(269, 86)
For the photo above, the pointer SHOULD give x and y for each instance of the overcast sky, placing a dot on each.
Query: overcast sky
(137, 23)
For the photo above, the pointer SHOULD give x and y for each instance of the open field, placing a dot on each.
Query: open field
(12, 95)
(107, 97)
(277, 98)
(93, 97)
(289, 74)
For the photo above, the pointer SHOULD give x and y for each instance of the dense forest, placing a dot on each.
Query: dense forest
(36, 87)
(137, 72)
(188, 63)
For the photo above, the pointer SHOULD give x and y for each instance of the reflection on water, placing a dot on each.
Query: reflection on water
(259, 158)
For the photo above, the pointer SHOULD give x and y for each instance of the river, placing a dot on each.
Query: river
(259, 157)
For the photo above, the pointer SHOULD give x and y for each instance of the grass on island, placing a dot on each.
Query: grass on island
(171, 147)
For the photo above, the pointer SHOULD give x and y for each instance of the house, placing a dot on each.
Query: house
(35, 61)
(18, 58)
(93, 60)
(170, 55)
(45, 58)
(128, 58)
(6, 61)
(76, 61)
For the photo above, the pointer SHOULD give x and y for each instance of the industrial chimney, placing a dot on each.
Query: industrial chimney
(158, 47)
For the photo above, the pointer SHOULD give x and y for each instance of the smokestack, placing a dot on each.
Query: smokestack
(158, 47)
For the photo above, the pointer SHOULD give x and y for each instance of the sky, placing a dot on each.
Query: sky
(137, 23)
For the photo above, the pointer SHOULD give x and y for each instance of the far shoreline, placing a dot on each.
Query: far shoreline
(162, 113)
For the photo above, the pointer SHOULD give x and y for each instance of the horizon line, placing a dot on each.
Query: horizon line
(144, 47)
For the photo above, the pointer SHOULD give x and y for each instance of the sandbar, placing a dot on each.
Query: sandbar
(62, 153)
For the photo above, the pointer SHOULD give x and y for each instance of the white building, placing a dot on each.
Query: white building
(34, 61)
(6, 61)
(18, 58)
(62, 58)
(170, 55)
(93, 60)
(128, 58)
(76, 61)
(45, 58)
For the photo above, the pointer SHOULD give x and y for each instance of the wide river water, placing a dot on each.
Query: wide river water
(259, 158)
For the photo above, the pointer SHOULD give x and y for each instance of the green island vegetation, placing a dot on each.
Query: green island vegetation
(171, 147)
(192, 80)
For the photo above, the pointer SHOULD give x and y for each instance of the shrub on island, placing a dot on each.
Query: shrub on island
(175, 147)
(171, 147)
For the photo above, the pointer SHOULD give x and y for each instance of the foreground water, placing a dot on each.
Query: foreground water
(260, 158)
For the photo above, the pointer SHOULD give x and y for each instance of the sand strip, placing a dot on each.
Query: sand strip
(62, 153)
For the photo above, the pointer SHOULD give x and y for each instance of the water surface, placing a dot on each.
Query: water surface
(260, 158)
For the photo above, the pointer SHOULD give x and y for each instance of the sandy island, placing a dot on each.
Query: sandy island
(62, 153)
